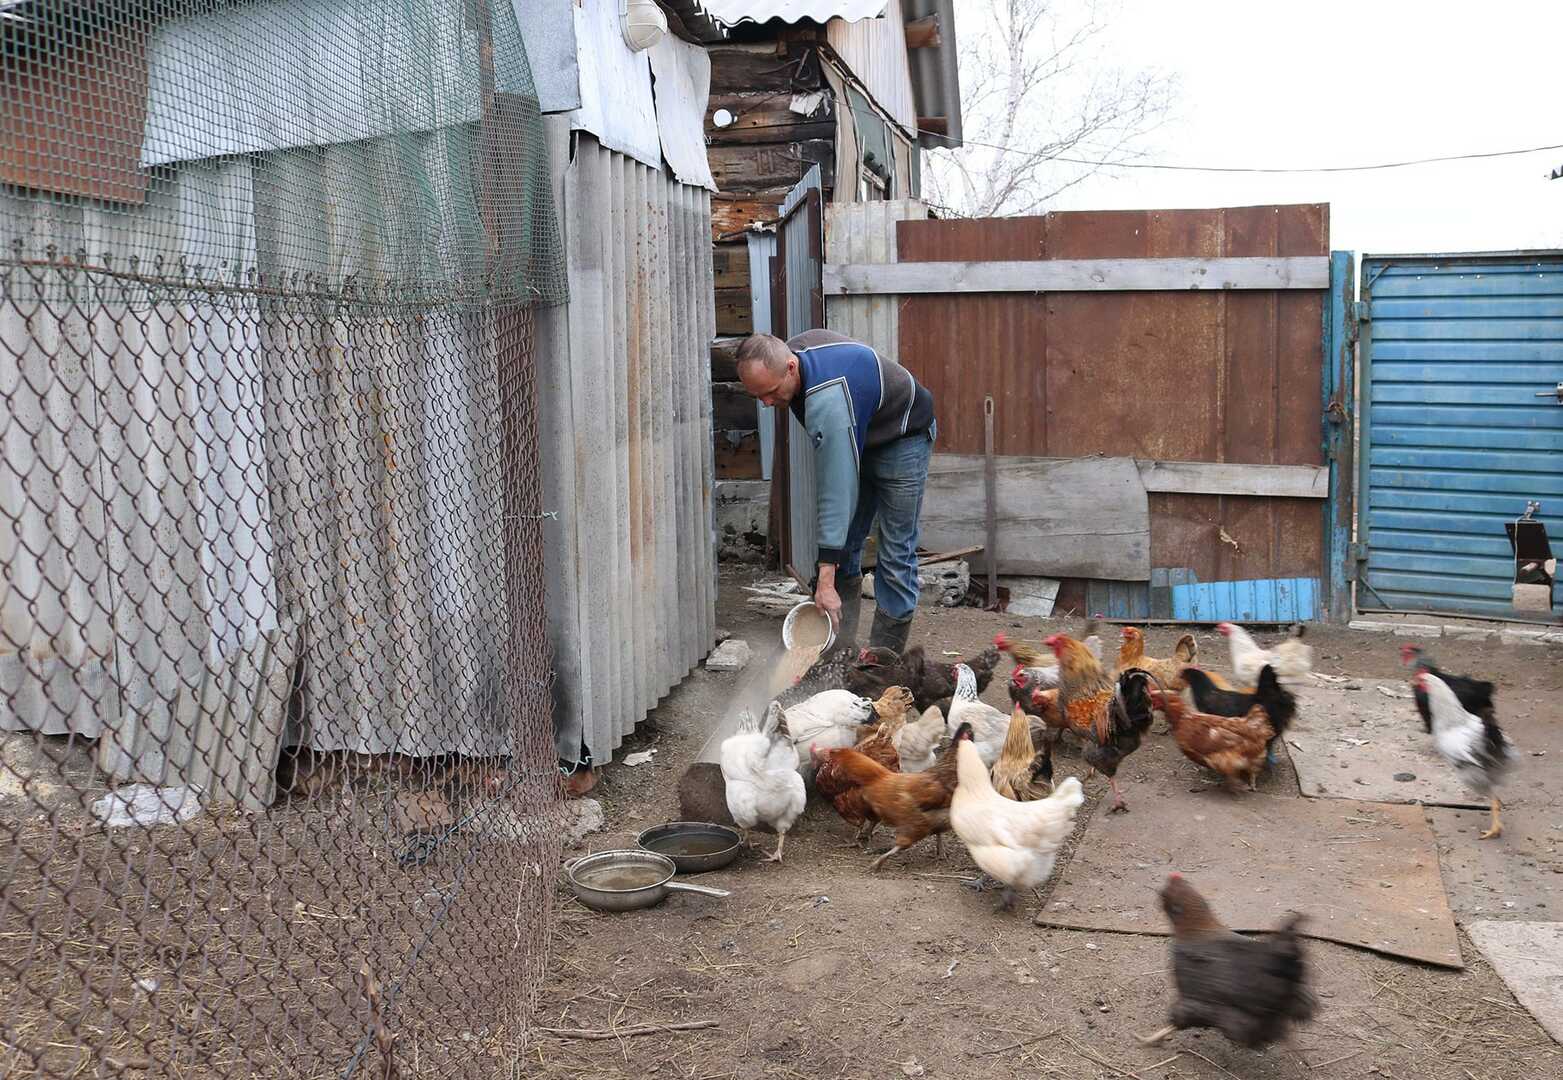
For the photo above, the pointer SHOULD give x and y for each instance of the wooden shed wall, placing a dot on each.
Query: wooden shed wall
(1194, 376)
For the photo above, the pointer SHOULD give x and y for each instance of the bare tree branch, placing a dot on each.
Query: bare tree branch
(1037, 88)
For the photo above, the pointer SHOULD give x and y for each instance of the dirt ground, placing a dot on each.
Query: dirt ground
(815, 968)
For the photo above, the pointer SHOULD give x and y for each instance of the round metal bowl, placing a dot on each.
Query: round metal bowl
(807, 610)
(694, 846)
(644, 879)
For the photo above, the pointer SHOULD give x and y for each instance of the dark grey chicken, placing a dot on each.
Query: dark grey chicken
(1249, 989)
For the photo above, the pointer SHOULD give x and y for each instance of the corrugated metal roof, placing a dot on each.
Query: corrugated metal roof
(733, 12)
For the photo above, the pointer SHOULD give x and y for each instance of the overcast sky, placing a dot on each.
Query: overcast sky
(1334, 82)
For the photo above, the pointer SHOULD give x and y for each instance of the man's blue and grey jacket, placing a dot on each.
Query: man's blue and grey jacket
(852, 400)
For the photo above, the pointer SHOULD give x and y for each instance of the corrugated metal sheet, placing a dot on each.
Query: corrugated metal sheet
(866, 233)
(762, 247)
(875, 50)
(682, 87)
(625, 386)
(733, 12)
(1456, 440)
(801, 242)
(1220, 376)
(616, 102)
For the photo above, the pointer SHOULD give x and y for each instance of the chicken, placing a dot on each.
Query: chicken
(1015, 842)
(1131, 654)
(1477, 748)
(1040, 665)
(1112, 716)
(1021, 772)
(1292, 659)
(1234, 746)
(760, 768)
(1475, 695)
(1279, 704)
(991, 725)
(828, 671)
(828, 719)
(916, 805)
(833, 783)
(893, 704)
(1249, 989)
(918, 743)
(931, 682)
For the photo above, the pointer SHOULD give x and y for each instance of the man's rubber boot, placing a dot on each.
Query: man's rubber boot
(850, 589)
(890, 633)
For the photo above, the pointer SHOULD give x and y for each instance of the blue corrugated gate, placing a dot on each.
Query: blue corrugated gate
(1461, 358)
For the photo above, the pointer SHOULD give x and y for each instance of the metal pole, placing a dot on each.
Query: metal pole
(990, 484)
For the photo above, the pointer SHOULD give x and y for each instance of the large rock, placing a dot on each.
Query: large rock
(940, 585)
(702, 795)
(732, 655)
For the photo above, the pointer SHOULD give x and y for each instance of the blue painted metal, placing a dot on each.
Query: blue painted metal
(1119, 599)
(1277, 600)
(1453, 438)
(1339, 397)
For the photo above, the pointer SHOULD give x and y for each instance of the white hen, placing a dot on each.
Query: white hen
(760, 767)
(1014, 842)
(1292, 658)
(829, 720)
(1477, 748)
(917, 744)
(990, 726)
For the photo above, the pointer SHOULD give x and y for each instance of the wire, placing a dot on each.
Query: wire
(1232, 169)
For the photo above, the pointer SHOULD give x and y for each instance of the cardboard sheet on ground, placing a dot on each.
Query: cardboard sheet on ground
(1351, 744)
(1366, 874)
(1528, 956)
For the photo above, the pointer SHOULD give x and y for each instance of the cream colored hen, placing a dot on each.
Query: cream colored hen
(1015, 842)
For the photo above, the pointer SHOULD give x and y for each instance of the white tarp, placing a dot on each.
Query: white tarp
(683, 86)
(616, 101)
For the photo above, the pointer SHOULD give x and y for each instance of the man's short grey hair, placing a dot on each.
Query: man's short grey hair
(764, 349)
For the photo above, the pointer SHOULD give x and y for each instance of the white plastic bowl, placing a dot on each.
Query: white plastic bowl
(798, 612)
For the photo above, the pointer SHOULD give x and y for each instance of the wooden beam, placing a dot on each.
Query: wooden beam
(923, 33)
(1078, 275)
(1227, 478)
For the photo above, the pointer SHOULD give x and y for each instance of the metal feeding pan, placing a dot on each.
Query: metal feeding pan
(627, 880)
(694, 846)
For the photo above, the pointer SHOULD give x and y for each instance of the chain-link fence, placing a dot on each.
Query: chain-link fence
(277, 776)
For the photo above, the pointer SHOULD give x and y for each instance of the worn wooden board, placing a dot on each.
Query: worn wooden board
(1064, 517)
(1080, 275)
(1365, 874)
(1230, 478)
(1528, 957)
(1351, 744)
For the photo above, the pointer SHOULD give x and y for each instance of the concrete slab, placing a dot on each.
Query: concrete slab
(1353, 743)
(1366, 874)
(1528, 956)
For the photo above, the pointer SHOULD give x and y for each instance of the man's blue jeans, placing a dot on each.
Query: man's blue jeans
(890, 487)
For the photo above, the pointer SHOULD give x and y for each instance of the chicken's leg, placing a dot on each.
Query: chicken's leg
(877, 863)
(1157, 1036)
(1497, 820)
(1119, 806)
(776, 856)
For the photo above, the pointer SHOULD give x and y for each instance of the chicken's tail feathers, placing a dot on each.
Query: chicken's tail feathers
(1069, 792)
(775, 720)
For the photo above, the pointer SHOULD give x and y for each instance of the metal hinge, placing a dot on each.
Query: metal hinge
(1360, 311)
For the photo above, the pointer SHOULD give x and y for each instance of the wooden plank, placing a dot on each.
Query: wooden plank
(733, 215)
(1079, 275)
(748, 167)
(732, 409)
(923, 33)
(1228, 478)
(1086, 517)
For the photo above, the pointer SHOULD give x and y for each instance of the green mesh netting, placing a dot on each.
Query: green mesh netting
(386, 150)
